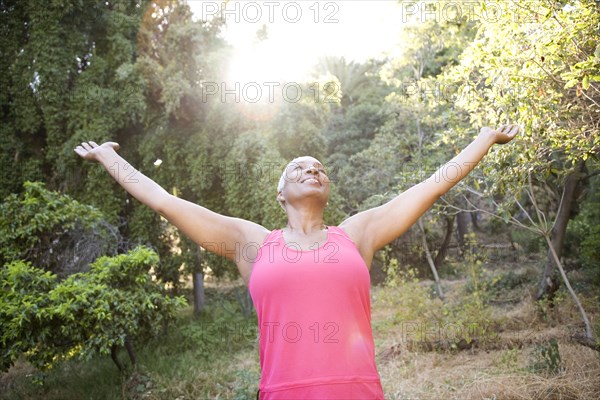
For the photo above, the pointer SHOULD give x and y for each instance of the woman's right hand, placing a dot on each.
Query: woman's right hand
(91, 150)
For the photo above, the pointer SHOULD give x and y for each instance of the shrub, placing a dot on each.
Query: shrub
(53, 231)
(530, 242)
(87, 313)
(546, 358)
(424, 318)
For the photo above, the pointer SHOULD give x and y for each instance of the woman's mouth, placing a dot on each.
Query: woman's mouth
(312, 180)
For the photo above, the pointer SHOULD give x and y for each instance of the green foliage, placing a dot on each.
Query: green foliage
(245, 385)
(87, 313)
(251, 184)
(217, 330)
(548, 310)
(473, 310)
(475, 272)
(545, 358)
(22, 310)
(44, 227)
(583, 234)
(297, 128)
(423, 317)
(396, 274)
(523, 72)
(509, 359)
(27, 217)
(217, 360)
(507, 281)
(75, 71)
(531, 243)
(175, 55)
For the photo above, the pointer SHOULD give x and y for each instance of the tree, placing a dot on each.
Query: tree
(351, 77)
(542, 70)
(407, 144)
(53, 93)
(124, 71)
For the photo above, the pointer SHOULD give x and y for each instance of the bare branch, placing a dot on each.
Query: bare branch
(588, 327)
(430, 260)
(540, 214)
(524, 211)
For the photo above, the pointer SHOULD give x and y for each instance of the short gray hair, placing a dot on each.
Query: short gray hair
(283, 177)
(281, 183)
(280, 186)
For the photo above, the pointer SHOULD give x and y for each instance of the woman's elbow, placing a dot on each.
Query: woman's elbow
(161, 204)
(435, 189)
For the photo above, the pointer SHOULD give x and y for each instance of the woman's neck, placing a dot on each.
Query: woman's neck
(306, 228)
(304, 223)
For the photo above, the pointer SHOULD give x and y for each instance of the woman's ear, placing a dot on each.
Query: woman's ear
(281, 200)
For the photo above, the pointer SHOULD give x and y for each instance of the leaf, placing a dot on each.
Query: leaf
(571, 83)
(586, 82)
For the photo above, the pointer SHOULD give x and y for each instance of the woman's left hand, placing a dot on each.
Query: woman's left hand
(502, 135)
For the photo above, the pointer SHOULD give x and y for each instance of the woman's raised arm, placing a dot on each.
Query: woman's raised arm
(217, 233)
(372, 229)
(137, 184)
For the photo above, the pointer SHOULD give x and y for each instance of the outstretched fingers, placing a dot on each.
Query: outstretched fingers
(86, 146)
(508, 129)
(514, 129)
(84, 149)
(80, 149)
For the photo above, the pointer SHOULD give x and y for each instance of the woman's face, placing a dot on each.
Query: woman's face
(304, 177)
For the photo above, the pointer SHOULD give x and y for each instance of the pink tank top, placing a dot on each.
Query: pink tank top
(314, 316)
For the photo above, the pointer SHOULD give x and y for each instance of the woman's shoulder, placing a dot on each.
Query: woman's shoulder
(337, 230)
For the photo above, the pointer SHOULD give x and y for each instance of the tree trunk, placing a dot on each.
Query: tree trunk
(475, 220)
(198, 281)
(550, 283)
(130, 352)
(198, 278)
(462, 226)
(430, 261)
(113, 355)
(441, 254)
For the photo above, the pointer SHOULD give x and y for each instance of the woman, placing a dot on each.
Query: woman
(309, 282)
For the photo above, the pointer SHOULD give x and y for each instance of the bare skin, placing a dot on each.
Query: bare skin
(303, 197)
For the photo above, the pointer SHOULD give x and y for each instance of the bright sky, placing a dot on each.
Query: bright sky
(299, 32)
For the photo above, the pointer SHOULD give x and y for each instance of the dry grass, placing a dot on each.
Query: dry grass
(482, 375)
(496, 370)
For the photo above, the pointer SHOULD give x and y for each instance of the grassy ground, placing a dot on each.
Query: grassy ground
(525, 352)
(517, 360)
